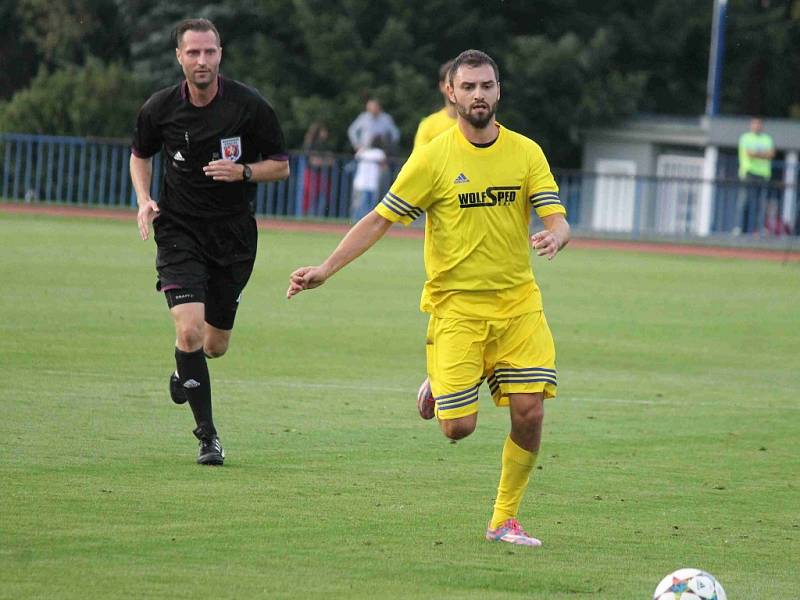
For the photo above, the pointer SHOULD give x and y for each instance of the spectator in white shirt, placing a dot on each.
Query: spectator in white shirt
(370, 164)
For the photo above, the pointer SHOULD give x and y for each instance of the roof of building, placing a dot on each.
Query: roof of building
(721, 131)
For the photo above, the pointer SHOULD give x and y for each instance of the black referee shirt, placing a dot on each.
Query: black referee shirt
(238, 124)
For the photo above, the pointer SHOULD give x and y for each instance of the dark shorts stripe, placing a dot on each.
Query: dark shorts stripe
(529, 380)
(458, 395)
(525, 370)
(457, 405)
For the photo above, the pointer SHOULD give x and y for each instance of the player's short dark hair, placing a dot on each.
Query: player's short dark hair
(444, 70)
(472, 58)
(194, 25)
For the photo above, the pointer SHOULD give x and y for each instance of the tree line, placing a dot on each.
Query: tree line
(84, 67)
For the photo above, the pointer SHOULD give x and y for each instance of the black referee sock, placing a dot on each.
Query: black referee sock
(193, 373)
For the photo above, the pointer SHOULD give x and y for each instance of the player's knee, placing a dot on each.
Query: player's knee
(458, 429)
(530, 417)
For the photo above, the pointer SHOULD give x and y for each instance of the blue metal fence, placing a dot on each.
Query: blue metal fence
(69, 170)
(669, 207)
(90, 171)
(87, 171)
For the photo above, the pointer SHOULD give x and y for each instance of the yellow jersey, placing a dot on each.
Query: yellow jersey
(433, 125)
(478, 205)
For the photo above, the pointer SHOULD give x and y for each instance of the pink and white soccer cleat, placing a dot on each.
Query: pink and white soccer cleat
(512, 532)
(425, 401)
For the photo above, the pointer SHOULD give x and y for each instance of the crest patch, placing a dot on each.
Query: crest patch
(231, 148)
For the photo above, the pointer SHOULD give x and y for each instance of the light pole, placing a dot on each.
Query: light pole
(716, 56)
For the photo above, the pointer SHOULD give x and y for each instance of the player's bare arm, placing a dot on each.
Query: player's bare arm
(553, 237)
(361, 237)
(262, 171)
(142, 176)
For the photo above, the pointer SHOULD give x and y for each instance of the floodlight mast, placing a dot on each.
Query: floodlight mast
(715, 60)
(716, 57)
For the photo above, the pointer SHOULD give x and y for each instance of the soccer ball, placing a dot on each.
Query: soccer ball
(689, 584)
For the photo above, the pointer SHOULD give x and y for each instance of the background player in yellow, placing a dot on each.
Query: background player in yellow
(477, 183)
(441, 120)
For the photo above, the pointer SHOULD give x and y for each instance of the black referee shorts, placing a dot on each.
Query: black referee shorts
(205, 260)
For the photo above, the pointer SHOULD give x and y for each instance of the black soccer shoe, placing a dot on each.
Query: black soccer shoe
(176, 391)
(211, 451)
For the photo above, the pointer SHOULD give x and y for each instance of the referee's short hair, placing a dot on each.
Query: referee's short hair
(194, 25)
(472, 58)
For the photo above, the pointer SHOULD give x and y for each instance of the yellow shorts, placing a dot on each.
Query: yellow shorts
(514, 356)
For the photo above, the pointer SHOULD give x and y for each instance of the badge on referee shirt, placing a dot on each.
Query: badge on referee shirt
(231, 148)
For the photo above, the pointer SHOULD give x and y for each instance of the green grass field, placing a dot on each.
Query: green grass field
(674, 440)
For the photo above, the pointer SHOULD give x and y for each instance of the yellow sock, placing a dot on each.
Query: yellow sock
(514, 476)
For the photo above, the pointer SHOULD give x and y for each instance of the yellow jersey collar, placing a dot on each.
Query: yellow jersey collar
(466, 144)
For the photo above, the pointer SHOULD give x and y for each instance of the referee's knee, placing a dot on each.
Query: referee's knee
(215, 349)
(189, 336)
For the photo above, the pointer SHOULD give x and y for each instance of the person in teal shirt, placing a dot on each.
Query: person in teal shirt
(756, 151)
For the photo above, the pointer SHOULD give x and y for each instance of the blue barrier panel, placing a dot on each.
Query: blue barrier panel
(113, 199)
(59, 194)
(17, 167)
(71, 172)
(260, 201)
(124, 194)
(37, 169)
(88, 171)
(82, 174)
(48, 173)
(300, 169)
(28, 168)
(102, 198)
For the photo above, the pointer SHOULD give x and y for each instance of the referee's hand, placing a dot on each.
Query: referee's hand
(224, 170)
(147, 211)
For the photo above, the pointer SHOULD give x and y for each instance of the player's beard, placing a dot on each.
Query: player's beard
(478, 122)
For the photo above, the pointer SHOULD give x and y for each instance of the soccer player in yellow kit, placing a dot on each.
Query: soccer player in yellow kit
(441, 120)
(476, 183)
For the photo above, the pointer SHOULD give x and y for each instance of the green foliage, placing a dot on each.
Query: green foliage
(762, 52)
(667, 44)
(566, 64)
(93, 100)
(554, 89)
(69, 31)
(18, 60)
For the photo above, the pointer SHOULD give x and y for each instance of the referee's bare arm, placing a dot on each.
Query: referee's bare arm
(263, 171)
(361, 237)
(142, 176)
(270, 170)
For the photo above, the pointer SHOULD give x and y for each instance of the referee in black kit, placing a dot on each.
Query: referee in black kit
(219, 138)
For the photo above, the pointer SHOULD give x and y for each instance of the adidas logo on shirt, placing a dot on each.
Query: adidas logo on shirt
(178, 156)
(461, 179)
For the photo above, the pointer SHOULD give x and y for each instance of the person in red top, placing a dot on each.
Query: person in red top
(773, 223)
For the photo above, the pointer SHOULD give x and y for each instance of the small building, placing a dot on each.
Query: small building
(678, 175)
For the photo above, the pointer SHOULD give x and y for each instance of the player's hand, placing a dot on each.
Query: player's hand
(147, 212)
(305, 278)
(224, 170)
(546, 242)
